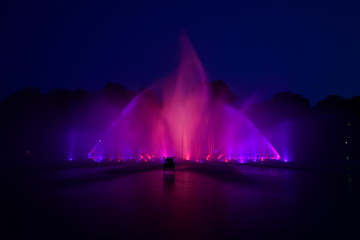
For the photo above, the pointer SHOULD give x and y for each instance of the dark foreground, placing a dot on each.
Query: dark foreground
(197, 202)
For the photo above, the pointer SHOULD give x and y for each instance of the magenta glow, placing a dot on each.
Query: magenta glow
(179, 117)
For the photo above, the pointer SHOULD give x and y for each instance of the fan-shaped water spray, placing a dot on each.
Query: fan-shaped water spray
(179, 117)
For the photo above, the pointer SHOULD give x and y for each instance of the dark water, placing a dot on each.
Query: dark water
(195, 202)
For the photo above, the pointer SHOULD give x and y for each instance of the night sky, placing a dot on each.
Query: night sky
(257, 47)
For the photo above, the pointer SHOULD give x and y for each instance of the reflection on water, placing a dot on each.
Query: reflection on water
(169, 179)
(192, 202)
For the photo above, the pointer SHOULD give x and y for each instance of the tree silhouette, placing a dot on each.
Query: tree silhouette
(221, 90)
(35, 125)
(117, 93)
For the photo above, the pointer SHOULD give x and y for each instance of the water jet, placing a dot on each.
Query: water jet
(179, 117)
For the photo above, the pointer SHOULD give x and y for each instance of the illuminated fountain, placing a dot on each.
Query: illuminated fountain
(179, 117)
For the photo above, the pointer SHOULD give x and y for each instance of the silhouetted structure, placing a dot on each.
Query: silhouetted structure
(169, 163)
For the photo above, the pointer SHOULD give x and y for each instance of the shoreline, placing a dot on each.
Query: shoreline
(348, 167)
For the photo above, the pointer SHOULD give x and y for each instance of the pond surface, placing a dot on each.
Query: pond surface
(194, 202)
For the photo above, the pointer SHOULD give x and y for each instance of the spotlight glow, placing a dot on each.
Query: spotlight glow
(179, 117)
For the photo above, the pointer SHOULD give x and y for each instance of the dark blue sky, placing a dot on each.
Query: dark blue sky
(257, 47)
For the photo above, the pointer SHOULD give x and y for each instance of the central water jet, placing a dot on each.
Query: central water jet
(179, 117)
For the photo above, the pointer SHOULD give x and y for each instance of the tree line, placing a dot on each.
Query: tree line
(38, 126)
